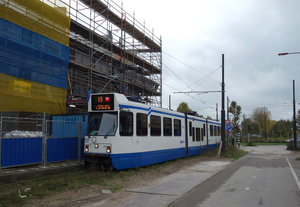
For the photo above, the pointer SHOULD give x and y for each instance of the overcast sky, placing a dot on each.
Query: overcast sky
(250, 33)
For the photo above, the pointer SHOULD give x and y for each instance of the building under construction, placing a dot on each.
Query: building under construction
(110, 51)
(84, 46)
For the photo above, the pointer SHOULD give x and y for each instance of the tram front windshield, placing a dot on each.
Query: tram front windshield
(104, 124)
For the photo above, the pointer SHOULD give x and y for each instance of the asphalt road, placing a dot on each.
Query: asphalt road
(267, 176)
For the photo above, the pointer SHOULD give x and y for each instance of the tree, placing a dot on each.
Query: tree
(270, 127)
(279, 128)
(283, 128)
(298, 118)
(262, 116)
(183, 107)
(248, 122)
(236, 110)
(244, 125)
(288, 126)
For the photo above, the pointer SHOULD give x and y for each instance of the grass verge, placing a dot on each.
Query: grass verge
(233, 152)
(44, 186)
(261, 143)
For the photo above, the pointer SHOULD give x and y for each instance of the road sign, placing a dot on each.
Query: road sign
(228, 127)
(227, 122)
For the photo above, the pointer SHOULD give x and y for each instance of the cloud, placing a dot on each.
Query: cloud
(250, 33)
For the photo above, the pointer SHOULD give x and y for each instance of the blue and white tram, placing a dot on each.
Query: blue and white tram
(129, 134)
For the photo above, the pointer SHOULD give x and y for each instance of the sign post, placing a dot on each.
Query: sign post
(228, 127)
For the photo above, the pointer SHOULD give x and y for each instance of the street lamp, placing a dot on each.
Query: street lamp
(294, 107)
(288, 53)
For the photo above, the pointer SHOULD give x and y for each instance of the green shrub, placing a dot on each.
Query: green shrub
(250, 144)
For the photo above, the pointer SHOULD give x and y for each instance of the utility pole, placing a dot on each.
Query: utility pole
(223, 111)
(265, 122)
(217, 118)
(227, 119)
(294, 118)
(294, 107)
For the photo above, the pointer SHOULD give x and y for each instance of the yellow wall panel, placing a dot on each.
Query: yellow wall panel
(40, 98)
(49, 19)
(22, 86)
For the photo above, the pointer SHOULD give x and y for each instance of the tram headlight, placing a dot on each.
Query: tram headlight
(96, 145)
(86, 148)
(108, 150)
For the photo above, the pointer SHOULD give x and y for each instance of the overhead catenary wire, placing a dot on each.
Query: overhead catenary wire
(205, 78)
(269, 105)
(276, 105)
(177, 76)
(186, 94)
(209, 75)
(190, 66)
(189, 86)
(199, 100)
(177, 90)
(184, 83)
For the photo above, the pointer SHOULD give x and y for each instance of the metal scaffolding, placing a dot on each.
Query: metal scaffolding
(110, 51)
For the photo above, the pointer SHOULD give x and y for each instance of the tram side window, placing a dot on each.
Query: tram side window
(215, 130)
(167, 126)
(190, 128)
(219, 131)
(203, 130)
(194, 134)
(141, 124)
(177, 127)
(197, 134)
(155, 125)
(211, 130)
(126, 123)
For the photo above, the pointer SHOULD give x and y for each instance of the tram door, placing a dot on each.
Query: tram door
(202, 141)
(197, 133)
(198, 138)
(190, 137)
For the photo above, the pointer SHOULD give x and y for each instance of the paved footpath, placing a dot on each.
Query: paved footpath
(175, 185)
(267, 176)
(172, 189)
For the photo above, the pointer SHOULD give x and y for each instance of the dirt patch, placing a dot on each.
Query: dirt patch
(92, 195)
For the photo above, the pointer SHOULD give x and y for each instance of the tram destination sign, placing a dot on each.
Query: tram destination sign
(103, 102)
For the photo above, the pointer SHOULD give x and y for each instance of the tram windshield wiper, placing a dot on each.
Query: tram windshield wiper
(110, 131)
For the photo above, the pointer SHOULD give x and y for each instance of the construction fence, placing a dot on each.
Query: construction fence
(43, 139)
